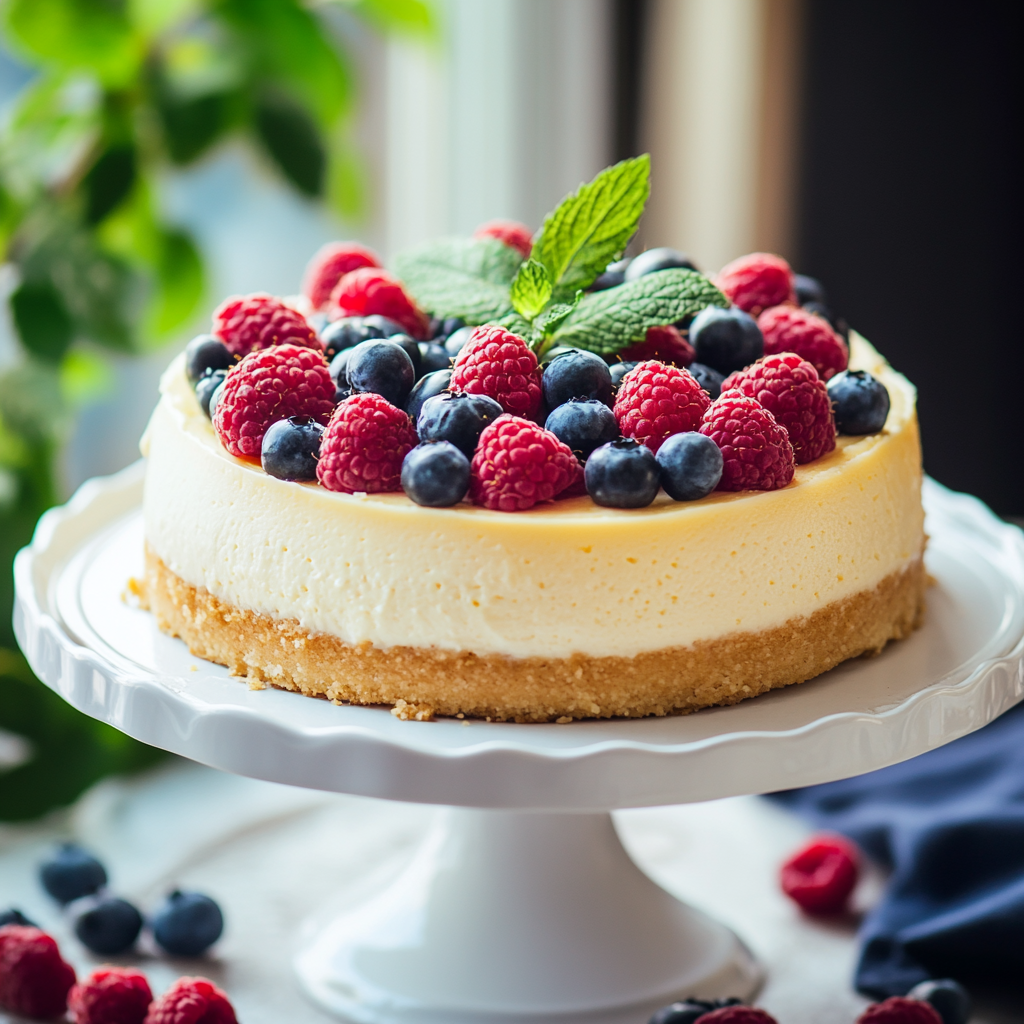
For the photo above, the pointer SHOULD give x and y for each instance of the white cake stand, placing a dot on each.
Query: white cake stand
(522, 906)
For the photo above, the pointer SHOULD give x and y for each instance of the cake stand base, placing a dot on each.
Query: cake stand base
(521, 918)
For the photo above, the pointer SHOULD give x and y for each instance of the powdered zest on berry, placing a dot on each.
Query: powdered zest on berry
(515, 235)
(111, 995)
(655, 401)
(789, 329)
(34, 979)
(371, 291)
(757, 281)
(500, 364)
(665, 344)
(330, 264)
(249, 322)
(192, 1001)
(821, 876)
(518, 464)
(364, 445)
(898, 1010)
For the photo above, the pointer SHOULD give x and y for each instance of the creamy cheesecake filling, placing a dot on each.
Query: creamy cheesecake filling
(558, 580)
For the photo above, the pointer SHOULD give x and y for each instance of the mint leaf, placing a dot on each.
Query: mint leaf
(467, 277)
(531, 289)
(551, 319)
(592, 227)
(607, 321)
(515, 323)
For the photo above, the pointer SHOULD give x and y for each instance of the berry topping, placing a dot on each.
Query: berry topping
(663, 343)
(456, 341)
(412, 350)
(687, 1012)
(347, 333)
(71, 872)
(34, 980)
(756, 450)
(203, 355)
(655, 401)
(187, 923)
(108, 926)
(622, 474)
(690, 465)
(710, 380)
(726, 339)
(447, 327)
(498, 363)
(809, 289)
(380, 366)
(435, 474)
(757, 281)
(12, 915)
(515, 235)
(614, 275)
(249, 322)
(457, 418)
(426, 387)
(738, 1015)
(948, 997)
(433, 357)
(111, 995)
(653, 260)
(363, 446)
(820, 876)
(206, 387)
(329, 265)
(370, 291)
(270, 385)
(290, 448)
(192, 1001)
(790, 389)
(860, 402)
(619, 370)
(898, 1010)
(518, 464)
(583, 424)
(576, 374)
(791, 329)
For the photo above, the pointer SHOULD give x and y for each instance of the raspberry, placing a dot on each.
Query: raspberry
(756, 449)
(330, 264)
(111, 995)
(665, 344)
(790, 329)
(656, 401)
(820, 876)
(791, 390)
(515, 235)
(898, 1010)
(249, 322)
(270, 385)
(737, 1015)
(192, 1001)
(757, 281)
(371, 291)
(517, 464)
(34, 980)
(500, 364)
(364, 445)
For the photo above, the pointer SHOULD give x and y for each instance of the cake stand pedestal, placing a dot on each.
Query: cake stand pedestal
(522, 907)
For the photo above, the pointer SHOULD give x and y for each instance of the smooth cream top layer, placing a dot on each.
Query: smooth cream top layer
(558, 579)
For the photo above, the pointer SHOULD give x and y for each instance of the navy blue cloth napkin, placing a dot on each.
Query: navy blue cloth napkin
(950, 825)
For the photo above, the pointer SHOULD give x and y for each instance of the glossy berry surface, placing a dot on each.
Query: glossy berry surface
(12, 915)
(738, 1015)
(187, 923)
(34, 979)
(613, 275)
(456, 341)
(412, 350)
(514, 234)
(449, 326)
(686, 1012)
(290, 448)
(619, 370)
(500, 364)
(346, 333)
(109, 926)
(948, 997)
(655, 401)
(576, 374)
(757, 281)
(710, 380)
(457, 418)
(384, 324)
(206, 387)
(371, 291)
(381, 367)
(433, 357)
(809, 289)
(898, 1010)
(427, 386)
(435, 474)
(71, 872)
(622, 474)
(204, 354)
(246, 323)
(790, 329)
(329, 265)
(653, 260)
(111, 995)
(663, 343)
(860, 402)
(583, 424)
(726, 339)
(192, 1001)
(820, 877)
(690, 465)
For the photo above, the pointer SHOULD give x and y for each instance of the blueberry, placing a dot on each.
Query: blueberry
(206, 387)
(554, 352)
(346, 333)
(108, 926)
(338, 366)
(215, 398)
(451, 325)
(726, 339)
(426, 387)
(859, 401)
(949, 998)
(619, 370)
(710, 380)
(686, 1012)
(435, 328)
(14, 916)
(71, 873)
(433, 357)
(809, 289)
(583, 424)
(458, 418)
(340, 394)
(385, 325)
(657, 259)
(690, 465)
(435, 474)
(412, 350)
(382, 367)
(622, 474)
(613, 276)
(291, 447)
(187, 924)
(576, 374)
(205, 353)
(455, 341)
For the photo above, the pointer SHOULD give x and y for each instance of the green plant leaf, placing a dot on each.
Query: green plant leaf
(292, 140)
(531, 289)
(42, 320)
(408, 17)
(552, 318)
(191, 126)
(607, 321)
(108, 182)
(153, 17)
(591, 228)
(179, 283)
(467, 277)
(84, 377)
(32, 403)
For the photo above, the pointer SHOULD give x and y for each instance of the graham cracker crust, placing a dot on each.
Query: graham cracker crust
(423, 682)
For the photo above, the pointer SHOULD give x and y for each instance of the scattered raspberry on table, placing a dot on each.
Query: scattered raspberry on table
(373, 291)
(790, 329)
(500, 364)
(192, 1001)
(249, 322)
(898, 1010)
(34, 979)
(663, 343)
(655, 401)
(111, 995)
(821, 875)
(329, 265)
(515, 235)
(757, 281)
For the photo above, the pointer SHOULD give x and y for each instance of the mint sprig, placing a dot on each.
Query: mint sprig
(531, 290)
